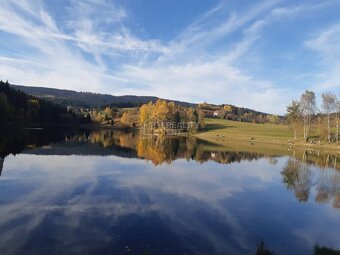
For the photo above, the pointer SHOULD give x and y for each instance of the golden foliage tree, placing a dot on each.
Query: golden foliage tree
(125, 119)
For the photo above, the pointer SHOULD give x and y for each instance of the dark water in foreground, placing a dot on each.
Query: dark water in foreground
(105, 192)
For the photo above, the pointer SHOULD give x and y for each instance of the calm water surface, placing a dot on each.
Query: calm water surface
(104, 192)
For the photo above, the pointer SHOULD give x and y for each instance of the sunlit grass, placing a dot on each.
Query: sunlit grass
(227, 133)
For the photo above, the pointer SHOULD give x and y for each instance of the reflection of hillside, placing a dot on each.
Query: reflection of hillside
(157, 149)
(161, 149)
(14, 141)
(298, 177)
(1, 164)
(100, 143)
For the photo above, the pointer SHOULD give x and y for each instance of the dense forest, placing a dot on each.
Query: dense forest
(19, 108)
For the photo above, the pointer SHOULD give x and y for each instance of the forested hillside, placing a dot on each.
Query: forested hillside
(16, 107)
(87, 99)
(101, 101)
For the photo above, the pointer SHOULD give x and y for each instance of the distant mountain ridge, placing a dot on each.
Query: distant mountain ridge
(88, 99)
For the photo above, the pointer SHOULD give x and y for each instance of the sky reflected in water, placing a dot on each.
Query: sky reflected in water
(126, 204)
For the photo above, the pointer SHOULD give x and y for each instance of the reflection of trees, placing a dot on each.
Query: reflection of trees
(163, 149)
(1, 164)
(297, 176)
(106, 138)
(158, 150)
(336, 201)
(272, 160)
(14, 141)
(322, 160)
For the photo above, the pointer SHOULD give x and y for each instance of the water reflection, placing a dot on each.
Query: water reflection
(297, 176)
(156, 149)
(155, 196)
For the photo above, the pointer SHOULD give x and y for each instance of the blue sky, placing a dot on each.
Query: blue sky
(257, 54)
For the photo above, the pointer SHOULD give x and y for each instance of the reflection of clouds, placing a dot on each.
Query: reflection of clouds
(194, 180)
(70, 192)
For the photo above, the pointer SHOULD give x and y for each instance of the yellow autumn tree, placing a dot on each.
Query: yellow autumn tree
(145, 113)
(125, 119)
(160, 111)
(228, 108)
(201, 121)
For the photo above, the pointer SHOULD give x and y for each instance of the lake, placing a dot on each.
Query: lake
(114, 192)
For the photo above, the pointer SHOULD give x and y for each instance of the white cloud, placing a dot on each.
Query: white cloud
(327, 44)
(92, 48)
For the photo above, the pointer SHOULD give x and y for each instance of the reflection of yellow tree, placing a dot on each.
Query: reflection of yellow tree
(150, 149)
(128, 140)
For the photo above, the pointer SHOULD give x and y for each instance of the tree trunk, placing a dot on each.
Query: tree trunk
(304, 129)
(337, 129)
(329, 128)
(308, 128)
(335, 161)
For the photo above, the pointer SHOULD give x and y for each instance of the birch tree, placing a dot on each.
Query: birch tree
(337, 112)
(328, 106)
(308, 109)
(293, 116)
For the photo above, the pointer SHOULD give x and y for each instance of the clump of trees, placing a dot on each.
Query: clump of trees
(104, 116)
(162, 116)
(321, 124)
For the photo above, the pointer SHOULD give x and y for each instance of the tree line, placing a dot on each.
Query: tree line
(19, 108)
(321, 123)
(232, 112)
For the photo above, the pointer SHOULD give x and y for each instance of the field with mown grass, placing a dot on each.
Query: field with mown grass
(234, 133)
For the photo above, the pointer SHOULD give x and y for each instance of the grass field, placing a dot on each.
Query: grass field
(231, 133)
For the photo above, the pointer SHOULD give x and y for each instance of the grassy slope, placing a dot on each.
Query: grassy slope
(233, 133)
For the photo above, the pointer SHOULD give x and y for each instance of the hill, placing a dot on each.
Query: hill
(19, 108)
(87, 99)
